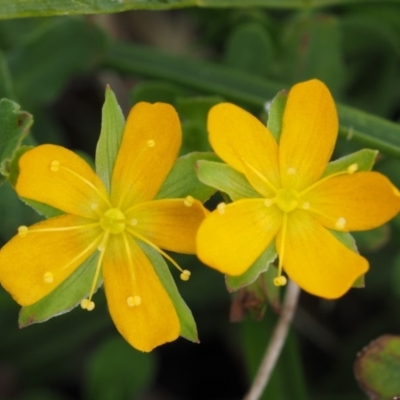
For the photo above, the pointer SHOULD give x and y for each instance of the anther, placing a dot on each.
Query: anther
(188, 202)
(280, 281)
(151, 143)
(22, 231)
(340, 223)
(352, 168)
(291, 171)
(185, 275)
(86, 304)
(48, 277)
(268, 202)
(54, 165)
(133, 301)
(133, 221)
(221, 208)
(305, 205)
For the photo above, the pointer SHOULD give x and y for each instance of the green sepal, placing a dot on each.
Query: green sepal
(261, 265)
(15, 125)
(66, 296)
(347, 239)
(225, 179)
(275, 114)
(112, 130)
(188, 325)
(377, 368)
(182, 180)
(364, 159)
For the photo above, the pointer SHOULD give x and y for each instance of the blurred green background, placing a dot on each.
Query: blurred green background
(56, 68)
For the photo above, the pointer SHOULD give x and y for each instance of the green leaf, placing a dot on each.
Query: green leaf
(70, 46)
(373, 239)
(225, 179)
(34, 8)
(112, 130)
(182, 180)
(155, 91)
(15, 126)
(207, 77)
(66, 296)
(250, 48)
(6, 85)
(377, 368)
(117, 371)
(261, 265)
(275, 114)
(188, 325)
(364, 159)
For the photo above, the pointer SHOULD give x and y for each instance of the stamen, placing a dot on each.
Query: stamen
(221, 208)
(90, 184)
(54, 166)
(134, 221)
(352, 168)
(151, 143)
(291, 171)
(305, 205)
(22, 231)
(188, 202)
(48, 277)
(280, 280)
(259, 174)
(340, 223)
(134, 301)
(185, 275)
(86, 304)
(165, 255)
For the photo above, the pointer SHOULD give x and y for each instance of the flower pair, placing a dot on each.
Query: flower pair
(115, 227)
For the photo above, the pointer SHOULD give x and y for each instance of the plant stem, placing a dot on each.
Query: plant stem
(276, 344)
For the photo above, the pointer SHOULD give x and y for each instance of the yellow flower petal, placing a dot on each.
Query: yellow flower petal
(170, 224)
(244, 143)
(33, 265)
(231, 238)
(149, 148)
(309, 131)
(154, 321)
(355, 202)
(316, 260)
(58, 177)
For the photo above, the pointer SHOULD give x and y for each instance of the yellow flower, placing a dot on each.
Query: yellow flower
(294, 204)
(111, 225)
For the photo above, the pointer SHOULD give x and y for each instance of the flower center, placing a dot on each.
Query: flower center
(113, 220)
(287, 199)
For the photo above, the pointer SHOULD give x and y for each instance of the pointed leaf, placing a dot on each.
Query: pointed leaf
(14, 125)
(275, 114)
(182, 180)
(64, 297)
(188, 325)
(112, 129)
(225, 179)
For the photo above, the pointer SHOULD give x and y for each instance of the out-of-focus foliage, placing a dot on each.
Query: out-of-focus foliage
(56, 69)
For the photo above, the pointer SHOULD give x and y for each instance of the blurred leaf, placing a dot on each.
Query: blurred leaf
(41, 395)
(225, 179)
(377, 368)
(6, 86)
(155, 91)
(30, 8)
(112, 129)
(14, 126)
(305, 42)
(373, 239)
(275, 114)
(262, 264)
(249, 48)
(188, 325)
(42, 65)
(244, 88)
(182, 180)
(116, 371)
(66, 296)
